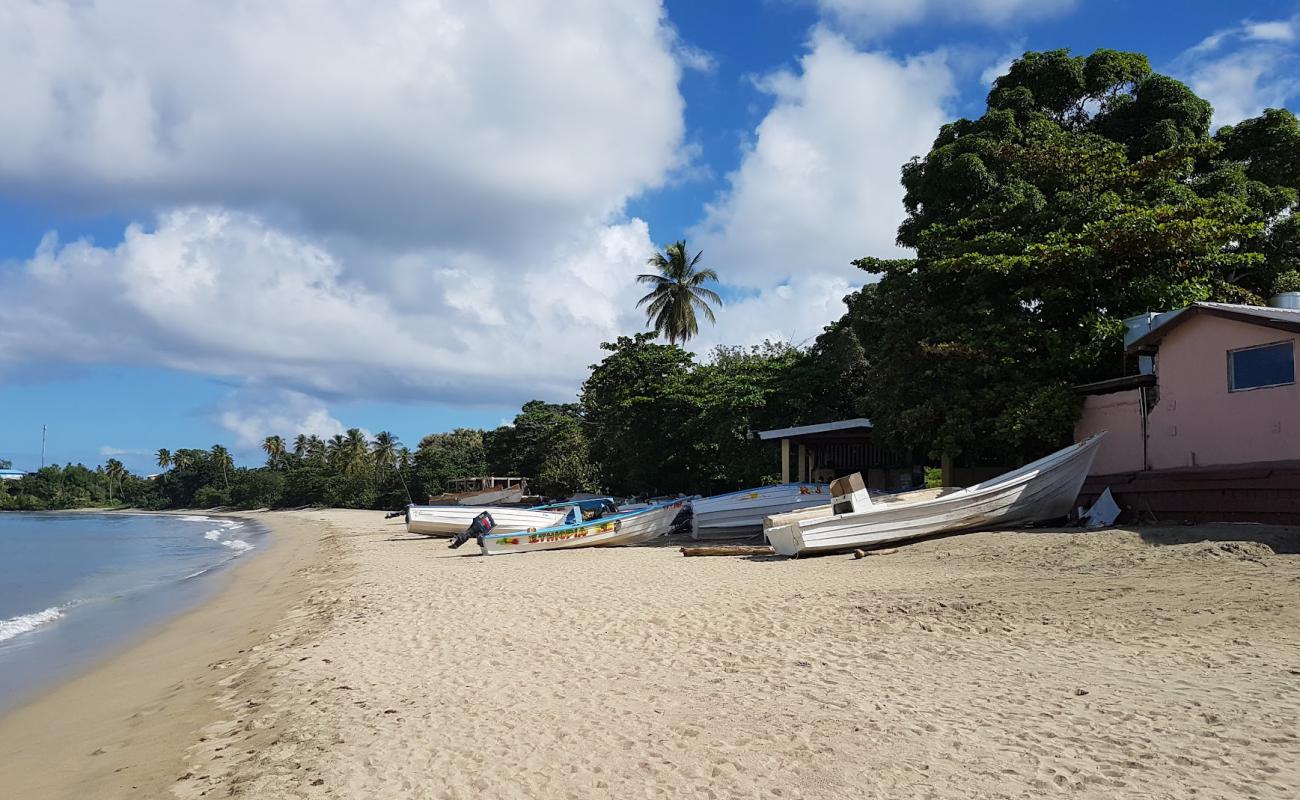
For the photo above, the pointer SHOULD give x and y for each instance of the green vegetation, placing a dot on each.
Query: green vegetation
(1090, 190)
(678, 292)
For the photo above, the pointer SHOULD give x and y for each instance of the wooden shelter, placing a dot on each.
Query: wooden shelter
(828, 450)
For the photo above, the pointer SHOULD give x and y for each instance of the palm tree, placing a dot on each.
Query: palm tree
(316, 449)
(114, 469)
(356, 451)
(181, 459)
(334, 450)
(164, 458)
(221, 456)
(384, 449)
(300, 444)
(678, 292)
(274, 447)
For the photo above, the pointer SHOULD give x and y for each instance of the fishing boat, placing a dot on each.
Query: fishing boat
(1042, 490)
(633, 527)
(740, 514)
(447, 521)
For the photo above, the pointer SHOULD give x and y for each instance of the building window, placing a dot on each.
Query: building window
(1258, 367)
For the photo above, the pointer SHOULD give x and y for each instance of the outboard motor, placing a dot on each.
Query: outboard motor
(480, 527)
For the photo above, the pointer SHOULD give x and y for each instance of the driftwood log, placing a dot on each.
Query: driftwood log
(889, 551)
(729, 550)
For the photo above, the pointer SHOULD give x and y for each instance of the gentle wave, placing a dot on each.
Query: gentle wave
(238, 545)
(15, 626)
(212, 535)
(194, 518)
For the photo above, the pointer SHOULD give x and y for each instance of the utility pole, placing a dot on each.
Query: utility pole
(42, 447)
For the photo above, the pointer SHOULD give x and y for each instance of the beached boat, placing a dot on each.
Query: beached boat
(447, 521)
(741, 514)
(450, 520)
(1042, 490)
(632, 527)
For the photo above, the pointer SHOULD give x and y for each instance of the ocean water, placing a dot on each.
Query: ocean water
(73, 587)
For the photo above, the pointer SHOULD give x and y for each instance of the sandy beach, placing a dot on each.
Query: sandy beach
(363, 662)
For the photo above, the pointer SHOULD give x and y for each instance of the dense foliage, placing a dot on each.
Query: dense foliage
(1090, 190)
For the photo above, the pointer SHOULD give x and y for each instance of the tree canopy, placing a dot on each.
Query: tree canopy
(1090, 190)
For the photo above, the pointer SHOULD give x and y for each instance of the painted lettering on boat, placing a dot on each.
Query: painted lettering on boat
(541, 537)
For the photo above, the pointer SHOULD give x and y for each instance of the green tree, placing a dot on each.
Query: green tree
(273, 446)
(547, 444)
(221, 458)
(114, 470)
(677, 292)
(1089, 191)
(444, 456)
(633, 421)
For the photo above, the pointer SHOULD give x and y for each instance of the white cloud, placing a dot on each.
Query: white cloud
(1278, 31)
(454, 122)
(421, 199)
(820, 184)
(225, 293)
(1003, 64)
(880, 16)
(255, 414)
(1244, 69)
(794, 311)
(110, 451)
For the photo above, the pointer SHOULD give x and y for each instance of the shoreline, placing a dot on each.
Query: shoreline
(1157, 661)
(120, 727)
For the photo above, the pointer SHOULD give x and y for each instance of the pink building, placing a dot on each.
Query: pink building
(1211, 428)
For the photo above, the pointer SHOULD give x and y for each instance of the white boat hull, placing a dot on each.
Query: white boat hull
(620, 529)
(451, 520)
(741, 514)
(1043, 490)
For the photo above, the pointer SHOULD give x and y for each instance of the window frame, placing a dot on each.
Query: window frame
(1233, 390)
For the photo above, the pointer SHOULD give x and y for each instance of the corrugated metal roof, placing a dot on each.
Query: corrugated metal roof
(1283, 318)
(824, 427)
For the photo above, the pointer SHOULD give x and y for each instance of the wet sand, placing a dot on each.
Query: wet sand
(121, 729)
(1145, 663)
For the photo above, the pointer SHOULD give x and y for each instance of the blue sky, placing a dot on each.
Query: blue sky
(414, 220)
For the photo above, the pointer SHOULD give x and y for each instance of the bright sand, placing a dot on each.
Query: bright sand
(378, 665)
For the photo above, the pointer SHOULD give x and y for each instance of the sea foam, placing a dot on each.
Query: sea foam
(15, 626)
(238, 545)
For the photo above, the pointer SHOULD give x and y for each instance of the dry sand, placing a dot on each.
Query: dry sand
(1133, 664)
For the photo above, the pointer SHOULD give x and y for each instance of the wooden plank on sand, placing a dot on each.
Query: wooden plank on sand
(729, 550)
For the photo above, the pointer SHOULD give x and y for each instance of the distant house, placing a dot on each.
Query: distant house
(1210, 426)
(11, 474)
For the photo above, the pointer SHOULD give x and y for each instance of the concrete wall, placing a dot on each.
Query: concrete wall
(1119, 413)
(1197, 421)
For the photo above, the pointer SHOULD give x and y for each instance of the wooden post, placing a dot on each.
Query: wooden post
(803, 463)
(946, 467)
(785, 461)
